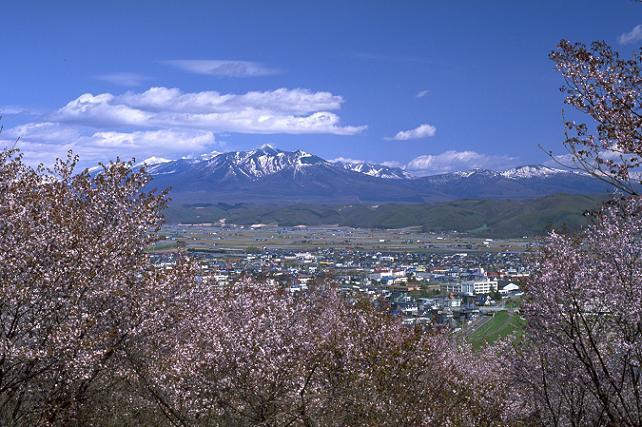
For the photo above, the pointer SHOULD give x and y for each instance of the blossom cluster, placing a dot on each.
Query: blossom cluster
(580, 364)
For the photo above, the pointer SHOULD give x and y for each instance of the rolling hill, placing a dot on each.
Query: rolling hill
(500, 218)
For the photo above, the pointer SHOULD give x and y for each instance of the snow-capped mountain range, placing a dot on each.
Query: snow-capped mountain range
(268, 160)
(270, 174)
(521, 172)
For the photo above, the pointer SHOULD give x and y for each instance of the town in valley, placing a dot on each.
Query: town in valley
(446, 280)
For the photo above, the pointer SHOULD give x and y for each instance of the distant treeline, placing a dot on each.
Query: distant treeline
(501, 218)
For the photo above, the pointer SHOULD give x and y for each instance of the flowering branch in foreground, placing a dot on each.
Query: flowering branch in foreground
(581, 362)
(606, 88)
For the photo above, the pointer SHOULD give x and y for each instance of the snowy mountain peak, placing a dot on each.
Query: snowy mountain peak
(269, 149)
(532, 171)
(152, 161)
(259, 163)
(302, 153)
(210, 155)
(521, 172)
(372, 169)
(476, 171)
(268, 174)
(268, 160)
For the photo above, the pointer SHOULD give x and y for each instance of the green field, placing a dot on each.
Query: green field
(217, 238)
(482, 218)
(501, 325)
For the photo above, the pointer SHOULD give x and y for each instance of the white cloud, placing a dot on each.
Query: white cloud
(393, 164)
(448, 161)
(222, 67)
(43, 142)
(421, 131)
(452, 161)
(96, 110)
(165, 140)
(36, 152)
(287, 111)
(635, 35)
(16, 110)
(346, 160)
(263, 122)
(288, 101)
(124, 79)
(421, 93)
(559, 159)
(170, 123)
(570, 161)
(44, 132)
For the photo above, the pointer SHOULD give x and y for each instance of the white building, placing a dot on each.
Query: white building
(511, 287)
(471, 287)
(479, 287)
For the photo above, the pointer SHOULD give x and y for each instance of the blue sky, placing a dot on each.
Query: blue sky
(431, 85)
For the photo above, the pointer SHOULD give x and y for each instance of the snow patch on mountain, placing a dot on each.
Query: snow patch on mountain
(533, 171)
(373, 169)
(471, 172)
(268, 160)
(152, 161)
(210, 155)
(258, 163)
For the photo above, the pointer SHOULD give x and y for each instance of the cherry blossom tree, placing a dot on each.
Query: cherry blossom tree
(581, 362)
(256, 355)
(607, 89)
(78, 293)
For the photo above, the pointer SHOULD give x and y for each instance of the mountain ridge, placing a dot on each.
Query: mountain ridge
(366, 167)
(268, 174)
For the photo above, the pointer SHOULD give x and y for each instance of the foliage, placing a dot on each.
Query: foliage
(78, 292)
(580, 360)
(259, 356)
(606, 88)
(583, 348)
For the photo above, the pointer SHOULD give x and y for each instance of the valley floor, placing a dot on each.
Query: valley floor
(231, 238)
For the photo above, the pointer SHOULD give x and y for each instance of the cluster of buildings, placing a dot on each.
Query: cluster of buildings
(446, 289)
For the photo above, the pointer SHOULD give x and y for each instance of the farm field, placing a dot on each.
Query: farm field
(216, 238)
